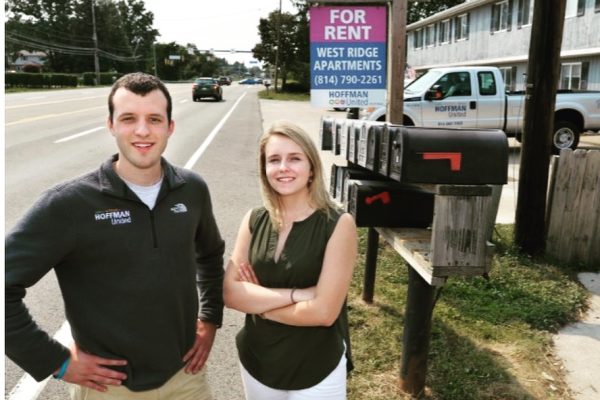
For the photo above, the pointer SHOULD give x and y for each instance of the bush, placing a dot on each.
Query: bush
(106, 78)
(33, 80)
(295, 87)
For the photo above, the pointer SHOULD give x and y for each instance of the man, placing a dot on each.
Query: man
(127, 242)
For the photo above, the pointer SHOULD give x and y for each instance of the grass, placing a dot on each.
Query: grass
(490, 339)
(272, 95)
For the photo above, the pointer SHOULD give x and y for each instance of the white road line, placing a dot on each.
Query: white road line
(211, 136)
(183, 101)
(40, 117)
(52, 102)
(66, 139)
(27, 388)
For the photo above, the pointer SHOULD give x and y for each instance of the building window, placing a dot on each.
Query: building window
(430, 35)
(509, 76)
(597, 6)
(445, 31)
(575, 8)
(461, 27)
(418, 39)
(570, 76)
(525, 12)
(500, 16)
(487, 83)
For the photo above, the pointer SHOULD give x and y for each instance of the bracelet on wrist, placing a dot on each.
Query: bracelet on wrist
(62, 370)
(292, 296)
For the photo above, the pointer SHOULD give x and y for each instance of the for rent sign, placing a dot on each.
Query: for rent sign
(348, 56)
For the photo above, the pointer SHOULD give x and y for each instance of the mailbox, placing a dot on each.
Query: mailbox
(392, 205)
(385, 149)
(395, 151)
(344, 133)
(326, 133)
(339, 125)
(353, 136)
(449, 156)
(361, 144)
(374, 137)
(341, 176)
(351, 174)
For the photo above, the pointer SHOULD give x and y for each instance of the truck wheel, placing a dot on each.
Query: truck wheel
(566, 136)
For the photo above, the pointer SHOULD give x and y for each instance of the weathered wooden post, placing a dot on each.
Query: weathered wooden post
(370, 265)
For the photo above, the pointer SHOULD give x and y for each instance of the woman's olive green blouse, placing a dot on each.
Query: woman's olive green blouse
(284, 356)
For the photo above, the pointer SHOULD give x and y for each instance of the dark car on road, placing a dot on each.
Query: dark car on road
(207, 87)
(224, 80)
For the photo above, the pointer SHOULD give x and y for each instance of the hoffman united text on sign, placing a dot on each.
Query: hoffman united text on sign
(348, 56)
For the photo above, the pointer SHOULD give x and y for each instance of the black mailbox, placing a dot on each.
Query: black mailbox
(333, 179)
(385, 149)
(344, 133)
(339, 125)
(449, 156)
(326, 133)
(395, 151)
(374, 137)
(353, 173)
(353, 136)
(361, 144)
(386, 204)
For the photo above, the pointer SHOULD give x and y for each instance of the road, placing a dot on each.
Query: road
(58, 135)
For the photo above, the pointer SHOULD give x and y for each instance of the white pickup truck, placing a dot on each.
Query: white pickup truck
(474, 97)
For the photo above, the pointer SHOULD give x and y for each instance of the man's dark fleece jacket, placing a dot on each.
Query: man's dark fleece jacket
(127, 274)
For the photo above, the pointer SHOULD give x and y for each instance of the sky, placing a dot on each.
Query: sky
(218, 25)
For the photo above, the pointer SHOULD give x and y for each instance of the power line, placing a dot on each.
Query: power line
(65, 49)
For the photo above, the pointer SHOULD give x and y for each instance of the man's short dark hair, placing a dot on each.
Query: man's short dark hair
(140, 84)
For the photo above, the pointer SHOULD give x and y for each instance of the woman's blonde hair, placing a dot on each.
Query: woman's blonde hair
(318, 195)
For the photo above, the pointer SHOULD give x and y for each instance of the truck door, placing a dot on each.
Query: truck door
(447, 102)
(489, 101)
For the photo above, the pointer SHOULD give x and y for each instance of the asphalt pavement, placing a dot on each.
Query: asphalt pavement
(577, 345)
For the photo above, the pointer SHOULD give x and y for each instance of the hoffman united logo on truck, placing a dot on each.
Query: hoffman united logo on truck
(115, 216)
(453, 110)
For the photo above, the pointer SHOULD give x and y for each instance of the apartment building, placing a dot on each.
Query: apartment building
(498, 32)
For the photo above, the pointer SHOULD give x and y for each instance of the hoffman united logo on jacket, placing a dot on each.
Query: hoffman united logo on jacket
(115, 216)
(179, 208)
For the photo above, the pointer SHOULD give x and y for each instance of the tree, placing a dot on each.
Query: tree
(418, 10)
(137, 24)
(280, 33)
(63, 29)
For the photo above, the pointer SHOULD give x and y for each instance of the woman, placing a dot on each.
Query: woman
(290, 272)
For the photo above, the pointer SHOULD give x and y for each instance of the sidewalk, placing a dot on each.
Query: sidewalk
(577, 345)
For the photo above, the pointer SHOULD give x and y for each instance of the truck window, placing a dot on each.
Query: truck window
(455, 84)
(487, 83)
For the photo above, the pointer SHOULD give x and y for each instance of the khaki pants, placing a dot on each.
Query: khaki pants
(181, 386)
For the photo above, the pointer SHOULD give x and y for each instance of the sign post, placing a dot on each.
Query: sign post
(348, 60)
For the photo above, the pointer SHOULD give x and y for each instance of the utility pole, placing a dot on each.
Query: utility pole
(543, 71)
(278, 45)
(154, 55)
(95, 39)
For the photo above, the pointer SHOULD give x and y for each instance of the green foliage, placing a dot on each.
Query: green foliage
(295, 87)
(63, 29)
(271, 94)
(418, 10)
(39, 80)
(106, 78)
(490, 338)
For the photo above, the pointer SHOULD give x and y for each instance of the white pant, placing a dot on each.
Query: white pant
(333, 387)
